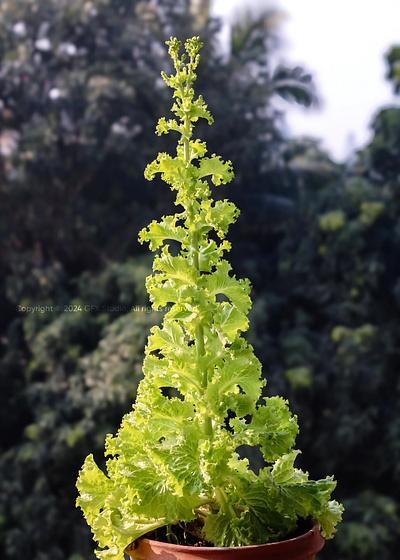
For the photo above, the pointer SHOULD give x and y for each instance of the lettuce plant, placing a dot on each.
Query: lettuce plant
(174, 461)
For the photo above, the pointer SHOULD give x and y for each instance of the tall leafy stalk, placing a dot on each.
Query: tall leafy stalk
(174, 461)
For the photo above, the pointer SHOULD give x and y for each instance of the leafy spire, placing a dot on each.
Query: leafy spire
(174, 459)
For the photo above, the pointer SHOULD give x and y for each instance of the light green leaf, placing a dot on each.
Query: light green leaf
(284, 470)
(198, 110)
(161, 293)
(244, 370)
(272, 427)
(173, 170)
(222, 215)
(198, 149)
(229, 321)
(169, 338)
(221, 172)
(158, 232)
(328, 517)
(219, 282)
(163, 126)
(94, 487)
(176, 268)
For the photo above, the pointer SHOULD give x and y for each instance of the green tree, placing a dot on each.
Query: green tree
(393, 58)
(332, 318)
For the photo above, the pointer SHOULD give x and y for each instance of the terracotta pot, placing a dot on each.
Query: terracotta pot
(304, 547)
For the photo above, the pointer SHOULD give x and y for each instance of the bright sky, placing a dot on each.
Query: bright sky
(342, 43)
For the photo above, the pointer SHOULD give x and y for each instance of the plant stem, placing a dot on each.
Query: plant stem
(199, 335)
(223, 500)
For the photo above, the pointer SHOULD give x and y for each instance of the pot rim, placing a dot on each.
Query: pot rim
(204, 549)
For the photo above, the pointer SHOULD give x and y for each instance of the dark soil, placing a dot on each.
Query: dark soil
(191, 533)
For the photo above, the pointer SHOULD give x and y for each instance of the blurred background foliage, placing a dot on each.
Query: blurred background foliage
(80, 95)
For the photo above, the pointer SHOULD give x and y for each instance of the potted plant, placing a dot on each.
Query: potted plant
(174, 472)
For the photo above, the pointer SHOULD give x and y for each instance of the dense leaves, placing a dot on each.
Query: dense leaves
(174, 459)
